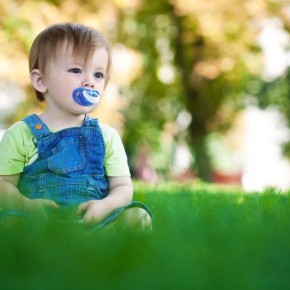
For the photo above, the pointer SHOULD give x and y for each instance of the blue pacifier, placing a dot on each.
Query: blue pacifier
(86, 97)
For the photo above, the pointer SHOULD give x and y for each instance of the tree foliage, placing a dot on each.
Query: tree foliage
(197, 56)
(276, 93)
(212, 52)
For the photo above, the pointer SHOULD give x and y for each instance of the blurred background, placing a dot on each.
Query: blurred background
(200, 88)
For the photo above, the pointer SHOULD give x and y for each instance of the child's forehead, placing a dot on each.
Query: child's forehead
(72, 51)
(67, 53)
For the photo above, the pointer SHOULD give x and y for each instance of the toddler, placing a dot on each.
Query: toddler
(64, 158)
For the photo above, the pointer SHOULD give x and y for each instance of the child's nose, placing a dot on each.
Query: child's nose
(88, 83)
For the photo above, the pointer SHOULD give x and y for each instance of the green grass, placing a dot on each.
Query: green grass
(204, 237)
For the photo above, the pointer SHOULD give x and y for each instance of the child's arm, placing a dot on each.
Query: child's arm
(11, 198)
(120, 194)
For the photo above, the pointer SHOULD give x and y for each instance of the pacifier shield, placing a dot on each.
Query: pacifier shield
(86, 97)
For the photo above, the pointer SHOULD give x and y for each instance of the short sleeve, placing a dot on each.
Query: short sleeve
(16, 148)
(116, 163)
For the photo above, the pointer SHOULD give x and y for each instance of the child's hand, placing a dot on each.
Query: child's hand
(93, 211)
(39, 206)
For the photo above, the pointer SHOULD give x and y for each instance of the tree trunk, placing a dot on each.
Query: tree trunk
(202, 161)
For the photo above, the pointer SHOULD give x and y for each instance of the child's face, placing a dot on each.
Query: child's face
(67, 73)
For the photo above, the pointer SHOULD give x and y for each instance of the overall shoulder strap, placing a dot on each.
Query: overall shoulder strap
(38, 128)
(91, 122)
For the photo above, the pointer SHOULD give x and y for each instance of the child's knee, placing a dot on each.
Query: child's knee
(137, 218)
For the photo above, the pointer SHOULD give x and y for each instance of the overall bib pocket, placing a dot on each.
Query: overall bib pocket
(68, 155)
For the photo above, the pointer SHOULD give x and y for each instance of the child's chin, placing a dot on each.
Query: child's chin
(87, 109)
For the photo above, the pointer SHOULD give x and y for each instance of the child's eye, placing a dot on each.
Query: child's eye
(75, 70)
(99, 75)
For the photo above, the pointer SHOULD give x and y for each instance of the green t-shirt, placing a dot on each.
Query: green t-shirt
(18, 150)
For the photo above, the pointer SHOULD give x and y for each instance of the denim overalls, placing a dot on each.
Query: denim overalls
(70, 166)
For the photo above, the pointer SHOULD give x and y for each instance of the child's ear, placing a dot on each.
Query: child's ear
(38, 81)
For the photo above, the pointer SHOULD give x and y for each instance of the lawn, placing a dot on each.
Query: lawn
(204, 237)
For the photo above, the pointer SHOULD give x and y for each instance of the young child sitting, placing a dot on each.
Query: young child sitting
(64, 158)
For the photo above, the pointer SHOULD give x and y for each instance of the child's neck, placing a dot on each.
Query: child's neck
(62, 122)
